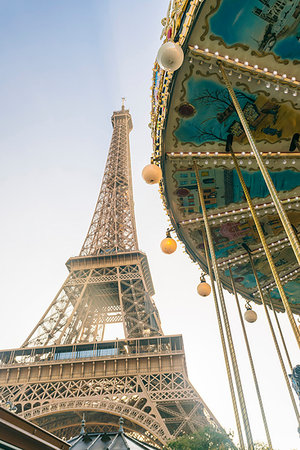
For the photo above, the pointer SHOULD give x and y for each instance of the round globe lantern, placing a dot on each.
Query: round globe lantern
(170, 56)
(168, 245)
(203, 288)
(152, 174)
(250, 316)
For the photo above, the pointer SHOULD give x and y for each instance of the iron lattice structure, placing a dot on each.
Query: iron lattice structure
(65, 368)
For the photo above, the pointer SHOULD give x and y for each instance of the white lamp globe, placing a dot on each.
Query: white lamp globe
(250, 316)
(203, 289)
(170, 56)
(152, 174)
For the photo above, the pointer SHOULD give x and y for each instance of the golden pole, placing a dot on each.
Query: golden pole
(224, 312)
(281, 334)
(251, 363)
(270, 185)
(274, 339)
(266, 249)
(234, 403)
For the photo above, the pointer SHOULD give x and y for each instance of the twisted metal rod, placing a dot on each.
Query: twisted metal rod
(266, 249)
(268, 180)
(228, 369)
(251, 363)
(281, 335)
(275, 339)
(225, 316)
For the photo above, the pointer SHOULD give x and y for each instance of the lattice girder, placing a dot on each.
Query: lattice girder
(96, 296)
(129, 396)
(65, 367)
(113, 228)
(144, 380)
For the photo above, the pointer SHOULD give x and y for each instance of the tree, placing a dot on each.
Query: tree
(205, 439)
(208, 439)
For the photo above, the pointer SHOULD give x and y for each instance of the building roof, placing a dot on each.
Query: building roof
(18, 433)
(107, 441)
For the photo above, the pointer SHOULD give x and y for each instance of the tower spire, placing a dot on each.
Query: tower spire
(113, 228)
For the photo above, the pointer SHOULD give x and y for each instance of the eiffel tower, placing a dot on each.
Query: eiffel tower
(65, 367)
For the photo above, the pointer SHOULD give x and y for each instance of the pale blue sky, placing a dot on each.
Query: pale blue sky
(64, 66)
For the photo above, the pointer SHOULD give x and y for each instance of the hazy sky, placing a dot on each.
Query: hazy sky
(65, 64)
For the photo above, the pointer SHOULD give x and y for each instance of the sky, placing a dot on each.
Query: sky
(65, 64)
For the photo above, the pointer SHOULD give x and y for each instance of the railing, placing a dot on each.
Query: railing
(94, 350)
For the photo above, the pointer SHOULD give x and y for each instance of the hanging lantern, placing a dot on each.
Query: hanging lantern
(203, 288)
(250, 315)
(152, 174)
(168, 245)
(170, 56)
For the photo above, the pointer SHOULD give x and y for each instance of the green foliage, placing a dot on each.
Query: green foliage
(260, 446)
(205, 439)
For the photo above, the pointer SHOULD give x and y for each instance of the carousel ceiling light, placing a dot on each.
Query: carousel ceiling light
(286, 90)
(152, 174)
(236, 60)
(250, 315)
(203, 288)
(168, 245)
(170, 56)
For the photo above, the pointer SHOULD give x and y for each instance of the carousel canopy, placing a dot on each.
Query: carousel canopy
(258, 43)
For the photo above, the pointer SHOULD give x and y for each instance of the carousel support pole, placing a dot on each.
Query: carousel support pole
(227, 364)
(266, 249)
(225, 316)
(274, 338)
(281, 335)
(251, 363)
(270, 185)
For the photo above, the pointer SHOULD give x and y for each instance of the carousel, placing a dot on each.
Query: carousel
(225, 124)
